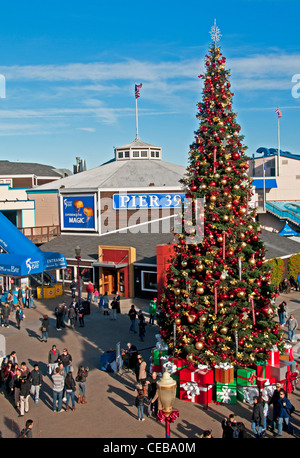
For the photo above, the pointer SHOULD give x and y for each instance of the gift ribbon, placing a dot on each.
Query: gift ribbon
(170, 419)
(226, 393)
(192, 389)
(251, 379)
(170, 367)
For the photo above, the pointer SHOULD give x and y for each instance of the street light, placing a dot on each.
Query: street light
(167, 392)
(78, 257)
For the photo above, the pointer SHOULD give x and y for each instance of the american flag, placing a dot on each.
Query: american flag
(137, 90)
(279, 113)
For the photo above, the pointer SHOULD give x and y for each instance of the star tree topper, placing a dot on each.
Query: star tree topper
(215, 33)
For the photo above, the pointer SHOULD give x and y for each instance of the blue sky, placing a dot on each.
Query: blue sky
(70, 69)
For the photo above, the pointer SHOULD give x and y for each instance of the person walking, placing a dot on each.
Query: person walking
(26, 433)
(73, 287)
(24, 394)
(19, 315)
(20, 297)
(90, 291)
(72, 314)
(283, 414)
(66, 359)
(292, 325)
(140, 402)
(58, 389)
(282, 313)
(117, 298)
(45, 328)
(265, 399)
(70, 388)
(15, 387)
(81, 378)
(142, 325)
(257, 417)
(5, 314)
(132, 315)
(53, 356)
(81, 312)
(228, 426)
(59, 313)
(105, 304)
(36, 379)
(100, 303)
(10, 300)
(152, 311)
(152, 388)
(114, 307)
(141, 370)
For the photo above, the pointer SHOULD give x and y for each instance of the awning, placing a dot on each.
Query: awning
(112, 265)
(287, 231)
(23, 257)
(269, 183)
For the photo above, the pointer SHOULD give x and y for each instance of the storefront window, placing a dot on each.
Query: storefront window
(69, 273)
(149, 281)
(86, 274)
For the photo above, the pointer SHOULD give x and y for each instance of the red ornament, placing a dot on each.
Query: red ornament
(235, 156)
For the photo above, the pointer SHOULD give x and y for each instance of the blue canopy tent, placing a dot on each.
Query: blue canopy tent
(22, 257)
(287, 231)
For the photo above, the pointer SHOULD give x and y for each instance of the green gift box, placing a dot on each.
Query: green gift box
(226, 393)
(246, 377)
(157, 354)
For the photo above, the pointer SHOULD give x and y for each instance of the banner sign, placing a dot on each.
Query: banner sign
(147, 201)
(78, 212)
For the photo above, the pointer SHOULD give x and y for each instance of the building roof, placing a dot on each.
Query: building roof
(271, 152)
(137, 143)
(276, 246)
(28, 168)
(122, 174)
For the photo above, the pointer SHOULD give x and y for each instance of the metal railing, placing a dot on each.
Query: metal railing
(284, 214)
(40, 234)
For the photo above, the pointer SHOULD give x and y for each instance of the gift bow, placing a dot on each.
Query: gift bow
(161, 346)
(250, 393)
(225, 366)
(170, 367)
(172, 417)
(226, 393)
(192, 389)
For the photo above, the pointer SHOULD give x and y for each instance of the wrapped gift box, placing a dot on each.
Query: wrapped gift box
(284, 358)
(192, 392)
(226, 393)
(263, 370)
(245, 376)
(247, 393)
(290, 365)
(288, 352)
(279, 371)
(177, 379)
(224, 373)
(203, 375)
(273, 356)
(180, 363)
(157, 355)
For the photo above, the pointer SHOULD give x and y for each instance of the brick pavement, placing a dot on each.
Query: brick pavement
(110, 411)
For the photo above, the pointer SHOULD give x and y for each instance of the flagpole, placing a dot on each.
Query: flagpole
(264, 179)
(136, 118)
(278, 155)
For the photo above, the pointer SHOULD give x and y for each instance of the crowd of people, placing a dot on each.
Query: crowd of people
(19, 384)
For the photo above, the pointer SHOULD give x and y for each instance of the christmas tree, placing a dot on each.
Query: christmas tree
(217, 305)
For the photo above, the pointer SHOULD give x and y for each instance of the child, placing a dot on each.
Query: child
(139, 402)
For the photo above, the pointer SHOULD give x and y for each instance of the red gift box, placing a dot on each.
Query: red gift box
(203, 375)
(192, 392)
(263, 370)
(261, 381)
(180, 363)
(274, 357)
(288, 351)
(157, 368)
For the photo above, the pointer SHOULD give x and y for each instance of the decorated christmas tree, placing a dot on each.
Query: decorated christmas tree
(217, 305)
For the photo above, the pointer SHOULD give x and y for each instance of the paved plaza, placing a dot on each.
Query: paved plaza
(110, 411)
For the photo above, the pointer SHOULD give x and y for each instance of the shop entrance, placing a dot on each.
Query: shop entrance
(113, 280)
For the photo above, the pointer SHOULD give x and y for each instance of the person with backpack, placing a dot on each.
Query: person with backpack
(26, 432)
(81, 377)
(45, 328)
(36, 379)
(285, 409)
(24, 394)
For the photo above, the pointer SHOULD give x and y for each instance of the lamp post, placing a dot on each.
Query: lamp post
(78, 257)
(167, 392)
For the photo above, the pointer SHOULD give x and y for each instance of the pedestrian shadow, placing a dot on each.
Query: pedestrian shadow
(12, 426)
(33, 334)
(122, 406)
(189, 429)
